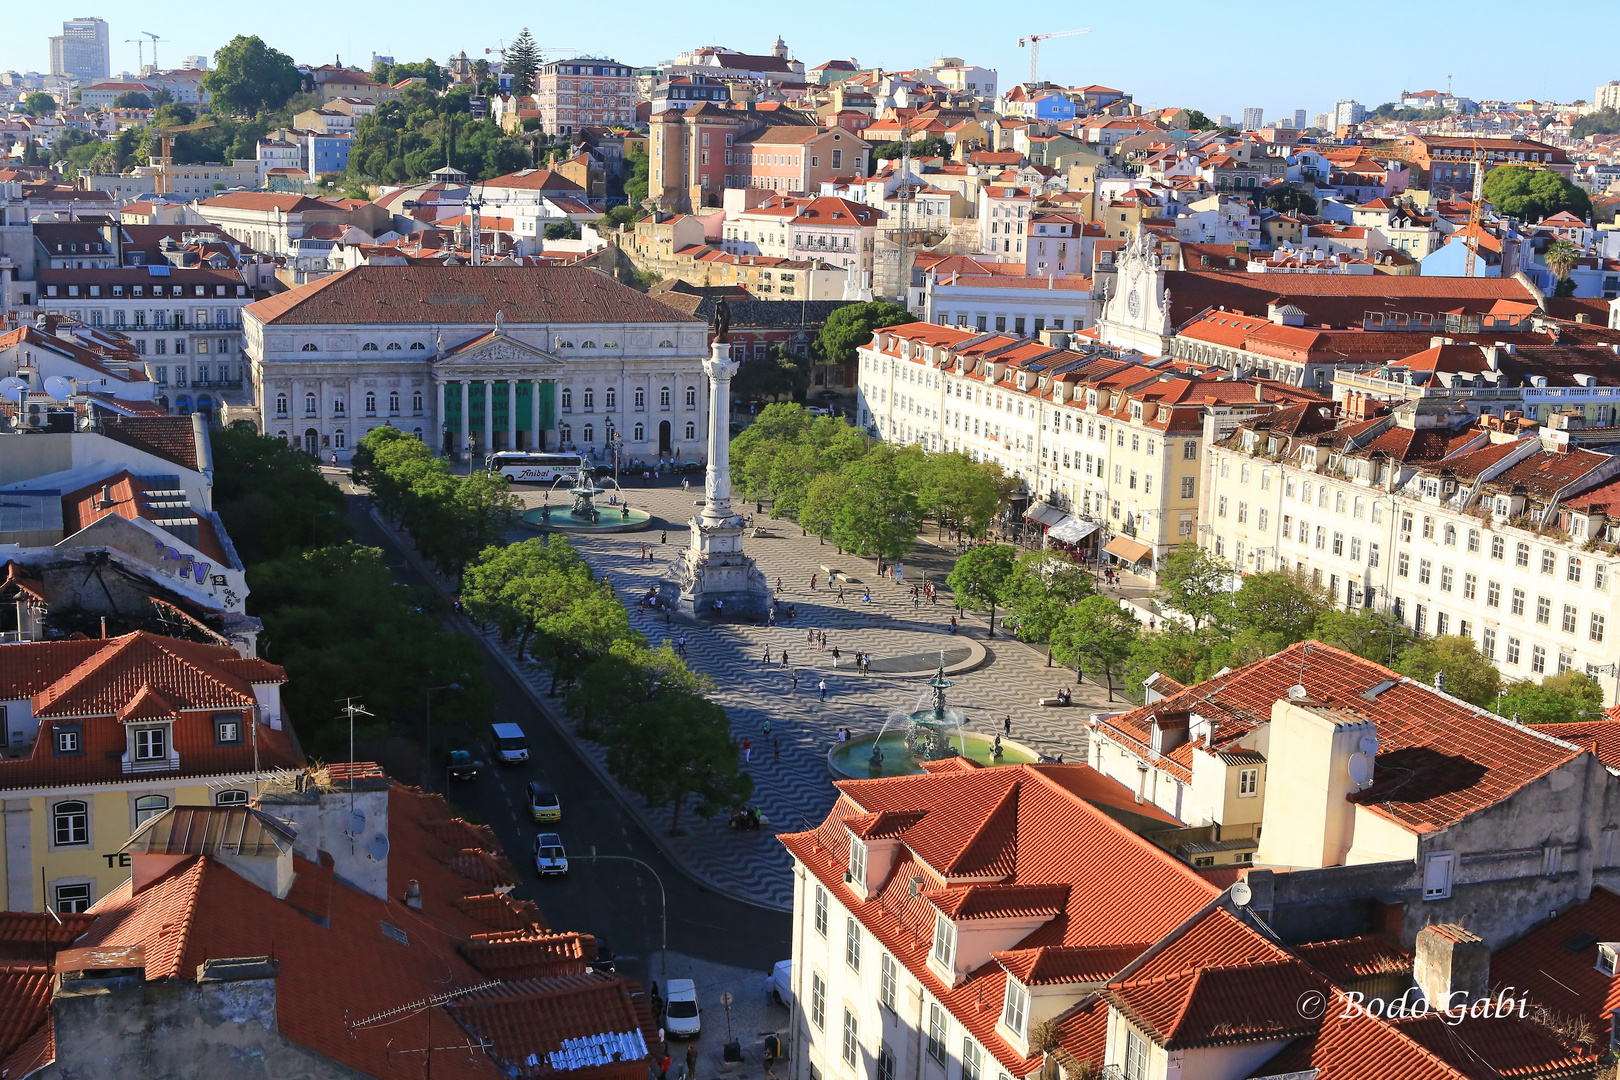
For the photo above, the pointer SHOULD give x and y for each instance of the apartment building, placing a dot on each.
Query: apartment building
(1113, 442)
(839, 232)
(1451, 525)
(698, 152)
(1005, 211)
(584, 91)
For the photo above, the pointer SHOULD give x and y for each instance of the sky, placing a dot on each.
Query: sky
(1175, 52)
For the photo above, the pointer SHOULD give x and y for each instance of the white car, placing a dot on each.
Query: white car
(681, 1019)
(550, 860)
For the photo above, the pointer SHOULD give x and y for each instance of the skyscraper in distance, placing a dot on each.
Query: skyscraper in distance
(83, 50)
(1253, 118)
(1299, 118)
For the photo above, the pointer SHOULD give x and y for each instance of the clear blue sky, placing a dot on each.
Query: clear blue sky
(1176, 52)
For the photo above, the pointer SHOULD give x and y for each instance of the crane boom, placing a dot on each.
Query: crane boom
(1033, 42)
(155, 40)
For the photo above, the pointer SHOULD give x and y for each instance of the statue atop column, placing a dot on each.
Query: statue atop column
(721, 323)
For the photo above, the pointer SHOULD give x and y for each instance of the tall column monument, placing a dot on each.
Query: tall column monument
(714, 567)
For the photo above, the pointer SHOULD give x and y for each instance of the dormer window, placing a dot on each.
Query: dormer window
(857, 864)
(944, 942)
(151, 744)
(1606, 956)
(1014, 1007)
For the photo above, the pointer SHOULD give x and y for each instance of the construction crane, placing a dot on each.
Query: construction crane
(1033, 42)
(155, 40)
(140, 55)
(1475, 224)
(166, 159)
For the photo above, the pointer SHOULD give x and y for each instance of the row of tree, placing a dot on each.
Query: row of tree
(666, 740)
(868, 499)
(422, 130)
(452, 518)
(332, 615)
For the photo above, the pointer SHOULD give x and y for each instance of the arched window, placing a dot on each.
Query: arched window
(691, 397)
(371, 402)
(565, 433)
(417, 345)
(281, 404)
(70, 823)
(337, 406)
(588, 345)
(393, 401)
(370, 346)
(590, 433)
(641, 398)
(393, 346)
(663, 397)
(691, 430)
(610, 397)
(309, 346)
(231, 797)
(641, 433)
(590, 399)
(565, 344)
(338, 440)
(416, 402)
(309, 404)
(282, 434)
(418, 434)
(568, 397)
(666, 344)
(148, 807)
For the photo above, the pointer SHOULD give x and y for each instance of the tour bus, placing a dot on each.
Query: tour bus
(536, 468)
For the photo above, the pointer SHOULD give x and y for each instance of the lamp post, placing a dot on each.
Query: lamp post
(663, 902)
(427, 727)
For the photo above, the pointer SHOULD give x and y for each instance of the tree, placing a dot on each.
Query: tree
(1042, 588)
(774, 375)
(664, 739)
(636, 184)
(273, 498)
(1564, 698)
(826, 493)
(1605, 121)
(1280, 602)
(1194, 582)
(562, 230)
(522, 59)
(1468, 675)
(1176, 652)
(31, 154)
(850, 327)
(623, 215)
(249, 75)
(1095, 633)
(878, 516)
(1365, 632)
(1533, 194)
(132, 99)
(1197, 121)
(522, 588)
(981, 577)
(39, 104)
(1562, 257)
(960, 492)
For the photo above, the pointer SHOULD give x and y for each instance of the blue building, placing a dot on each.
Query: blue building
(327, 153)
(1054, 108)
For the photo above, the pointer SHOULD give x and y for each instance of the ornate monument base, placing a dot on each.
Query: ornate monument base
(714, 568)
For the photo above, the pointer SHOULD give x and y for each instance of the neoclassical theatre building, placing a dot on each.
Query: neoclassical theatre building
(473, 359)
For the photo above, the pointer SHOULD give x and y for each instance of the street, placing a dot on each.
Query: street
(618, 900)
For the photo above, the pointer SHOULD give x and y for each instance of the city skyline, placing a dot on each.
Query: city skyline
(1195, 75)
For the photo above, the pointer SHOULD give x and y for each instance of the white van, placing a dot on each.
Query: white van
(782, 983)
(507, 743)
(681, 1020)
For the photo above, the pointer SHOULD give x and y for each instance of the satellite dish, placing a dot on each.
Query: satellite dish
(1369, 745)
(357, 823)
(12, 389)
(1360, 769)
(1241, 893)
(58, 388)
(377, 847)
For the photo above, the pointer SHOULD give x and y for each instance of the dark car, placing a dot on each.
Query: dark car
(604, 955)
(683, 467)
(462, 765)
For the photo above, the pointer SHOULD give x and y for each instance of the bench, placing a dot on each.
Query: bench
(762, 534)
(1054, 703)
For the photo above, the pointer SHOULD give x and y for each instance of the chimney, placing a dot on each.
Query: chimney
(413, 894)
(1452, 966)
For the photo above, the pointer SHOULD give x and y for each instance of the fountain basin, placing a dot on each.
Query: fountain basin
(611, 520)
(849, 761)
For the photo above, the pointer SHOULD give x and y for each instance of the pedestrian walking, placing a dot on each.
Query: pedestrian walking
(823, 689)
(812, 583)
(779, 584)
(766, 729)
(953, 624)
(663, 1067)
(765, 661)
(867, 599)
(748, 751)
(840, 594)
(663, 538)
(795, 680)
(835, 657)
(770, 617)
(691, 1061)
(776, 749)
(680, 644)
(784, 659)
(1006, 723)
(810, 637)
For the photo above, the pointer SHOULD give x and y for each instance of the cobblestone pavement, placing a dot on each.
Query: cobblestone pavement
(792, 786)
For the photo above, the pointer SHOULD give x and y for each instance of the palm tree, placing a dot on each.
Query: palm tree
(1561, 257)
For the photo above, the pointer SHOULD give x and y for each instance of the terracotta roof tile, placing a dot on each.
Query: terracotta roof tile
(170, 437)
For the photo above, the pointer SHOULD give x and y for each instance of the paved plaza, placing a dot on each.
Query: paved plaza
(789, 767)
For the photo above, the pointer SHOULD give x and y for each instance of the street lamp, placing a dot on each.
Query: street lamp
(427, 727)
(663, 902)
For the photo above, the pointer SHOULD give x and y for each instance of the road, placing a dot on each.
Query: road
(616, 899)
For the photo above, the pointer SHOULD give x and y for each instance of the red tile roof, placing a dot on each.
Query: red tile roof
(171, 437)
(1555, 965)
(537, 1017)
(458, 295)
(1601, 737)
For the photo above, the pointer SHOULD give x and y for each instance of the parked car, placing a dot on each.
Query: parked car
(605, 960)
(782, 983)
(543, 803)
(508, 743)
(462, 765)
(550, 860)
(682, 468)
(681, 1012)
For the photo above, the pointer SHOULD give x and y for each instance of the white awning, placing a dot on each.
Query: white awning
(1072, 530)
(1045, 513)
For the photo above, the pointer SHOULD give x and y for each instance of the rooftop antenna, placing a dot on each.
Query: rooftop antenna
(351, 709)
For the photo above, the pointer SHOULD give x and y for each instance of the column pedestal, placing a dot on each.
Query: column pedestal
(714, 567)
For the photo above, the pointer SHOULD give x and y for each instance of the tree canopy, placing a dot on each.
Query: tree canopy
(850, 327)
(39, 104)
(981, 576)
(1043, 586)
(1603, 122)
(1468, 674)
(435, 76)
(1565, 698)
(249, 76)
(522, 59)
(1098, 635)
(132, 99)
(1533, 194)
(1193, 582)
(406, 139)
